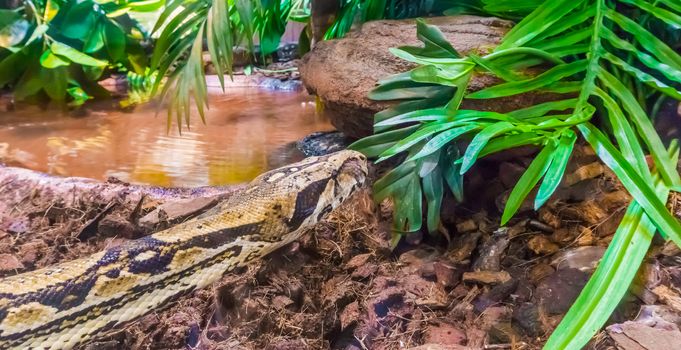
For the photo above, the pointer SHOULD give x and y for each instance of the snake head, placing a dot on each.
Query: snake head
(351, 172)
(310, 189)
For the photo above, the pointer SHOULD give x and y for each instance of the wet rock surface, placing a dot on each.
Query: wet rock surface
(341, 72)
(321, 143)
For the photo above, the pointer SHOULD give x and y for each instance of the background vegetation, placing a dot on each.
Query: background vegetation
(612, 62)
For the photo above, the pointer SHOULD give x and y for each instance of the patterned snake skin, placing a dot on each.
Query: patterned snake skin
(64, 305)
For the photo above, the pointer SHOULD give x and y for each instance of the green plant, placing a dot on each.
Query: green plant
(369, 10)
(59, 49)
(610, 63)
(184, 25)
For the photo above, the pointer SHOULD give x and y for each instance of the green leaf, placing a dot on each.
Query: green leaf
(451, 171)
(416, 55)
(643, 76)
(548, 13)
(422, 133)
(50, 60)
(649, 61)
(645, 128)
(632, 181)
(55, 82)
(435, 42)
(541, 109)
(668, 17)
(428, 91)
(408, 207)
(79, 96)
(624, 134)
(517, 87)
(114, 38)
(442, 139)
(555, 172)
(527, 181)
(95, 40)
(673, 4)
(30, 82)
(480, 140)
(419, 115)
(566, 40)
(436, 75)
(646, 39)
(79, 21)
(74, 55)
(433, 190)
(569, 22)
(511, 141)
(385, 185)
(376, 144)
(617, 268)
(12, 66)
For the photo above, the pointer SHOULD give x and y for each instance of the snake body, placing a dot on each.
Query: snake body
(67, 304)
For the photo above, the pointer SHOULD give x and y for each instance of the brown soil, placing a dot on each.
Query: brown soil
(342, 287)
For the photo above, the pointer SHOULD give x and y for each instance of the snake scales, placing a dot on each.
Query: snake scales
(64, 305)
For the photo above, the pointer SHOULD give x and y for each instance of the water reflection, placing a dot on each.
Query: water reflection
(244, 135)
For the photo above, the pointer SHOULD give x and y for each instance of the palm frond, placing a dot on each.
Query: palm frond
(599, 59)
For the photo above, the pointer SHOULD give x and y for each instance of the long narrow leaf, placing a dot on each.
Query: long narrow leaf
(632, 181)
(556, 170)
(527, 181)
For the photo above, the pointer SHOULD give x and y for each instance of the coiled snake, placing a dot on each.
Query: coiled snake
(64, 305)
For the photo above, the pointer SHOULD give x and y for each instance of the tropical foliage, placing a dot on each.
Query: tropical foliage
(223, 25)
(59, 49)
(610, 62)
(368, 10)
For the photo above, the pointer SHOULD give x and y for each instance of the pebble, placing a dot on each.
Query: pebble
(557, 292)
(582, 258)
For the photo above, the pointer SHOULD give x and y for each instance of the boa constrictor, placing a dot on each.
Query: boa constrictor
(67, 304)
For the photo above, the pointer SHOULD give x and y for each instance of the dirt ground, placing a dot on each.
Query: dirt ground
(474, 286)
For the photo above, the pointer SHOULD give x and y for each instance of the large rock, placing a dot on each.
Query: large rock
(342, 72)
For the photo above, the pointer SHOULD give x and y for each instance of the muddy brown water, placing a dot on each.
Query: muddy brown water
(247, 132)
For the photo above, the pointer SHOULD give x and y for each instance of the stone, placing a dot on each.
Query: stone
(486, 277)
(639, 336)
(557, 292)
(583, 258)
(528, 318)
(342, 72)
